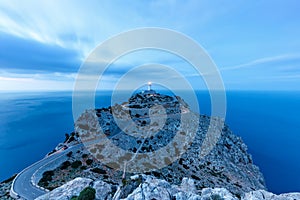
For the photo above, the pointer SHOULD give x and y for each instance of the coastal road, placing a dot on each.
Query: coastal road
(22, 186)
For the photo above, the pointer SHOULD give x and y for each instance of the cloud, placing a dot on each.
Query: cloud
(45, 39)
(266, 60)
(292, 78)
(49, 22)
(69, 24)
(281, 72)
(35, 81)
(82, 25)
(23, 54)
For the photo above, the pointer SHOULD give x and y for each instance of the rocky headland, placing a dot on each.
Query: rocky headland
(226, 172)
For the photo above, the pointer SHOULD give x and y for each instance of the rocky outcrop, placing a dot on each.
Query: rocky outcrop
(150, 188)
(104, 190)
(153, 188)
(68, 190)
(264, 195)
(227, 165)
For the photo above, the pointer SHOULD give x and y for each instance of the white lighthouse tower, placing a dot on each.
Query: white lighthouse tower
(149, 86)
(149, 91)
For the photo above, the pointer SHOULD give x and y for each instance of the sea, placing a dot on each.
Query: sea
(33, 123)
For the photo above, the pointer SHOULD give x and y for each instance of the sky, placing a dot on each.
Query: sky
(254, 44)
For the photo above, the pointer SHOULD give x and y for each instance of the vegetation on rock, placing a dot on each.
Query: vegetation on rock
(87, 193)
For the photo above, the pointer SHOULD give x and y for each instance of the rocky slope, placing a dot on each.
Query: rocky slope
(228, 165)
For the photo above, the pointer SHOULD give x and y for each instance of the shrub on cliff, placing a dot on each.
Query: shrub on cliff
(87, 193)
(89, 161)
(47, 177)
(98, 170)
(76, 164)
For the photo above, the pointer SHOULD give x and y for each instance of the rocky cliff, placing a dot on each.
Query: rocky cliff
(145, 124)
(227, 165)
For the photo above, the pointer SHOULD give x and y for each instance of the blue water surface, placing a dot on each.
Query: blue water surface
(32, 124)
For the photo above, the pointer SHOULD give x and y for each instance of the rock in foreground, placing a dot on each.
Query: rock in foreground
(262, 194)
(152, 188)
(68, 190)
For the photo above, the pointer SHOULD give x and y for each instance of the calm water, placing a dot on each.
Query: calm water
(32, 124)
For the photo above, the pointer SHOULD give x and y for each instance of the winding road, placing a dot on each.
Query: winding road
(22, 186)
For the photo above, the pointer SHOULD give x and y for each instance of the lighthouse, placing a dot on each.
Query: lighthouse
(149, 86)
(149, 91)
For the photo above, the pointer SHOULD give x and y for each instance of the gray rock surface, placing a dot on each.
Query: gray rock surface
(152, 189)
(103, 190)
(264, 195)
(149, 188)
(68, 190)
(188, 185)
(217, 193)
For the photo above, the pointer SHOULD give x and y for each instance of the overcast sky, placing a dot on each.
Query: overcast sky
(255, 44)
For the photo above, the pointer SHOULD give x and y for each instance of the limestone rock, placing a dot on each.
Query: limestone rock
(188, 185)
(103, 190)
(147, 187)
(68, 190)
(151, 188)
(264, 195)
(217, 193)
